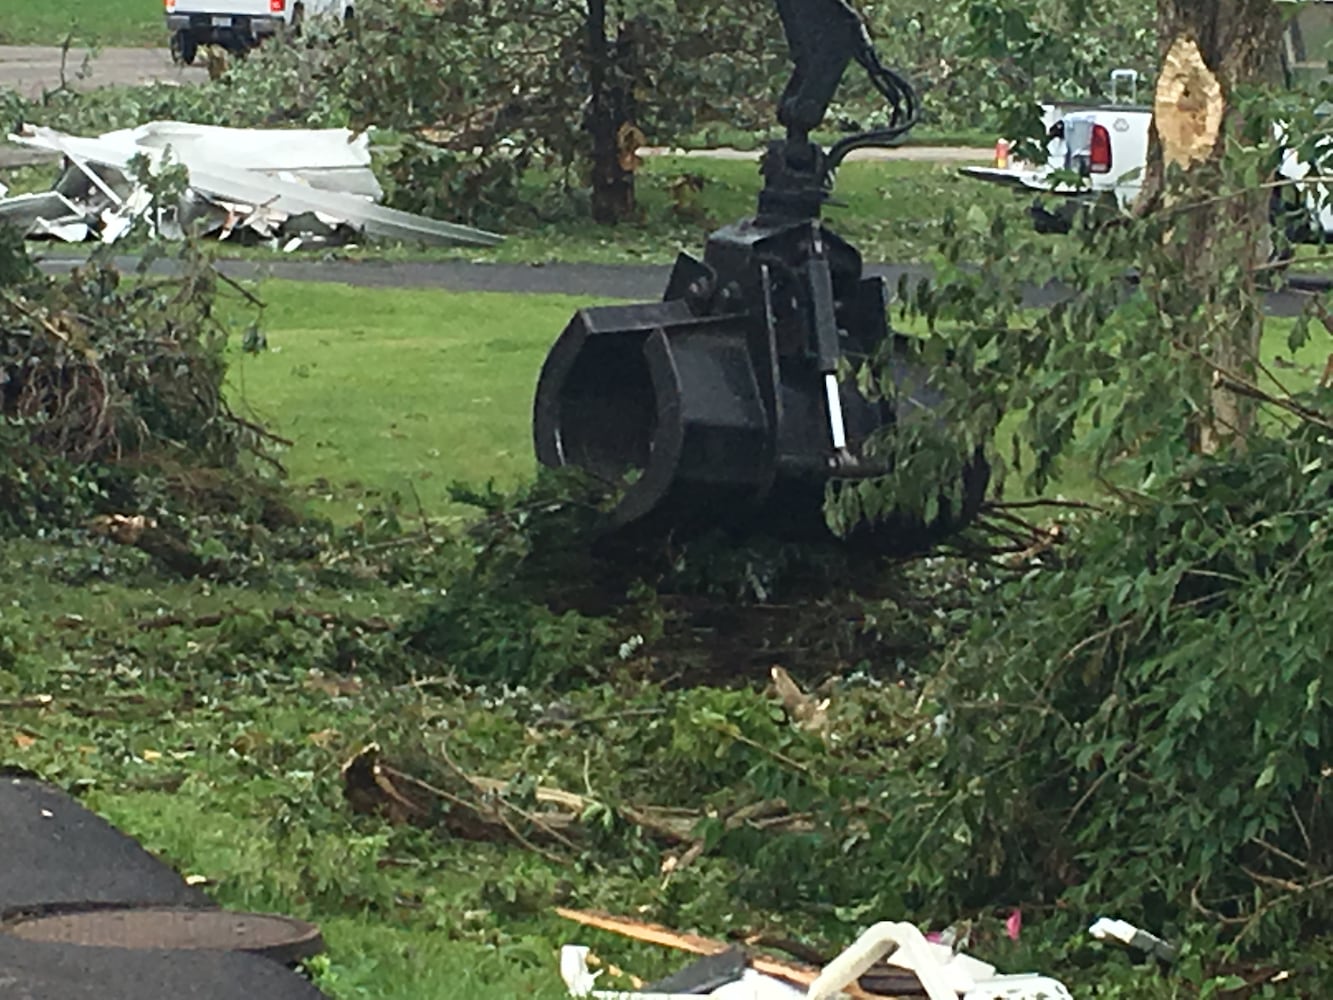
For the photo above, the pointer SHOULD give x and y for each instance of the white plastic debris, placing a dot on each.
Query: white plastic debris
(311, 185)
(333, 159)
(1021, 986)
(756, 986)
(943, 973)
(906, 947)
(44, 212)
(580, 981)
(1124, 933)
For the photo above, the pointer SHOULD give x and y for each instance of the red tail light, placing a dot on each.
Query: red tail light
(277, 6)
(1099, 152)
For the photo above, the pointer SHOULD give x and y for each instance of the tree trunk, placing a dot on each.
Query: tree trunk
(1209, 49)
(609, 118)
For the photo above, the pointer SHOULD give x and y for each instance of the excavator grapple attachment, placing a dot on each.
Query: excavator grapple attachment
(725, 404)
(730, 403)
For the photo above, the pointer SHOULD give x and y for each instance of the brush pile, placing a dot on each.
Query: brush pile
(99, 370)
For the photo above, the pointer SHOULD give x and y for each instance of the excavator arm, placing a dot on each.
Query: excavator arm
(823, 38)
(727, 404)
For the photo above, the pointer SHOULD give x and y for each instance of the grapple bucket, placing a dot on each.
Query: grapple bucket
(660, 396)
(721, 406)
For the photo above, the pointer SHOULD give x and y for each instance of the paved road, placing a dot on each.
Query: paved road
(633, 282)
(31, 69)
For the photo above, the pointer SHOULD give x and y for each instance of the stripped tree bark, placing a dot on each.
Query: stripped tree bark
(1210, 51)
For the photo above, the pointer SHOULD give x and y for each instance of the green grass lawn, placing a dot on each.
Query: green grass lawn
(90, 22)
(892, 211)
(399, 392)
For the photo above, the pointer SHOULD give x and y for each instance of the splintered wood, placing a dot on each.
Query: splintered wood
(476, 807)
(1189, 106)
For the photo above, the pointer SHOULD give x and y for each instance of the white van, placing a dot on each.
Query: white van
(238, 25)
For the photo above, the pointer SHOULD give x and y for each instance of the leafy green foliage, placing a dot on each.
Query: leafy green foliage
(1154, 728)
(494, 623)
(1136, 723)
(98, 373)
(497, 89)
(1010, 56)
(473, 96)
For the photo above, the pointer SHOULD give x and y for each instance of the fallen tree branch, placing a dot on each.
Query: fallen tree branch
(1003, 505)
(477, 807)
(1240, 387)
(1236, 384)
(36, 701)
(383, 774)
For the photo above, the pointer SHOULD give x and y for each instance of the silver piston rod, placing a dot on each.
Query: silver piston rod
(824, 323)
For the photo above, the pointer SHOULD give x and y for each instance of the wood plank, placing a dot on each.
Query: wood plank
(695, 944)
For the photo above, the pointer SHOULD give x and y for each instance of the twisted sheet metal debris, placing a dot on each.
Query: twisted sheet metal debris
(288, 187)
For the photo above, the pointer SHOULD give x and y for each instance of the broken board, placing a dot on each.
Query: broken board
(789, 972)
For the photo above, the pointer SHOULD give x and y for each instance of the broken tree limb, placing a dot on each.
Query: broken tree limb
(370, 789)
(807, 712)
(477, 807)
(695, 944)
(145, 534)
(671, 825)
(371, 786)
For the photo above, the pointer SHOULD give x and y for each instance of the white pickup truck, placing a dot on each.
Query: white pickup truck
(238, 25)
(1095, 153)
(1103, 148)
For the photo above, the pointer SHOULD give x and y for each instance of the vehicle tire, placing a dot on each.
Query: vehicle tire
(184, 48)
(1048, 223)
(1291, 225)
(297, 22)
